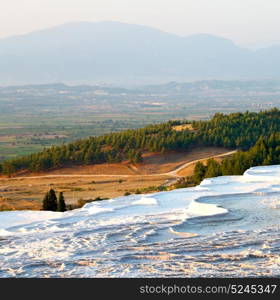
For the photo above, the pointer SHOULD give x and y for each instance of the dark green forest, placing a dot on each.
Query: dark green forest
(258, 134)
(264, 152)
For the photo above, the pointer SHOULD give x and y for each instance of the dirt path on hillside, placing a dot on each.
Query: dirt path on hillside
(180, 168)
(173, 173)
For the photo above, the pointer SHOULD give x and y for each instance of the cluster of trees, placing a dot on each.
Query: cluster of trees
(237, 130)
(114, 147)
(266, 151)
(50, 201)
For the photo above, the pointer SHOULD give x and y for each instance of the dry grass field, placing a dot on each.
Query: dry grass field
(183, 127)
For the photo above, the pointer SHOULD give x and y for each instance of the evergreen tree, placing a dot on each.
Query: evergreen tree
(213, 169)
(46, 201)
(138, 157)
(199, 172)
(61, 203)
(50, 201)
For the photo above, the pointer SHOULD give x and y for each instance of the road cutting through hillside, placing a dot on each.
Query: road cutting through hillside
(175, 172)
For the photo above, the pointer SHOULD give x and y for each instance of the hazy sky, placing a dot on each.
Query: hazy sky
(247, 22)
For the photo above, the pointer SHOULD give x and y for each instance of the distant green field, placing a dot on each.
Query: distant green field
(20, 135)
(34, 117)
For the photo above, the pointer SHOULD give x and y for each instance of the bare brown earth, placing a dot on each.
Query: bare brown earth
(183, 127)
(104, 180)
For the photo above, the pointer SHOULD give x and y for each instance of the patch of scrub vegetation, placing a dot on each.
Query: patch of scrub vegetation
(81, 202)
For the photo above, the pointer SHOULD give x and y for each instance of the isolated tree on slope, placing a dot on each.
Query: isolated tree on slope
(61, 203)
(50, 201)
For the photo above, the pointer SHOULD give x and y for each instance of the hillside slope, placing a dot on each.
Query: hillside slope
(233, 131)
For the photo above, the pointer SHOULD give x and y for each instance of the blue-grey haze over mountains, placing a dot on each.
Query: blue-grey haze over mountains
(120, 53)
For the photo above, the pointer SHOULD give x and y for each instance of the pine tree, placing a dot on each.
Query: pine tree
(53, 199)
(213, 169)
(50, 201)
(61, 203)
(46, 201)
(199, 172)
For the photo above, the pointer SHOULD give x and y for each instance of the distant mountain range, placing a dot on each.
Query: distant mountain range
(112, 52)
